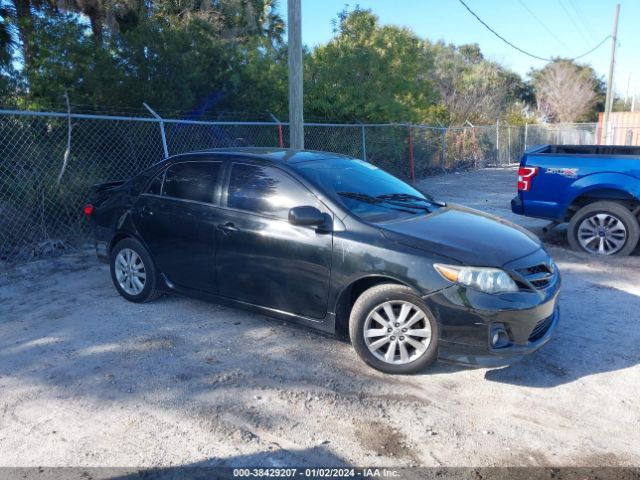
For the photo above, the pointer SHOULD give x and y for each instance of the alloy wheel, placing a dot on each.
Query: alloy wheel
(602, 233)
(130, 271)
(397, 332)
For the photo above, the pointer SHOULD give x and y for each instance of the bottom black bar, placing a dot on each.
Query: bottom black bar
(419, 473)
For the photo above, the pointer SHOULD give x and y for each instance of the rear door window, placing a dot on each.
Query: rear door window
(194, 181)
(266, 191)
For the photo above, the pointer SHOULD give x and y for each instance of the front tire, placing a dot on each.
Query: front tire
(604, 228)
(393, 330)
(133, 272)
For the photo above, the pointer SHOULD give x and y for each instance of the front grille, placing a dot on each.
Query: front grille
(540, 329)
(539, 284)
(542, 268)
(538, 276)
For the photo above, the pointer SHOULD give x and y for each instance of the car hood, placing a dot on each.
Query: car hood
(468, 236)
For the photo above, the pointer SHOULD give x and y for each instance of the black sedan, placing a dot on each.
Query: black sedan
(333, 243)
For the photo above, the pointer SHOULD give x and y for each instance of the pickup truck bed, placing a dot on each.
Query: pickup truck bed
(596, 188)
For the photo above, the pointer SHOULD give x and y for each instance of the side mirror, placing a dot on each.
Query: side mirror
(309, 216)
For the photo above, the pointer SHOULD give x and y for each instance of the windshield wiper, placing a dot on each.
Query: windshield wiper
(363, 197)
(406, 197)
(406, 200)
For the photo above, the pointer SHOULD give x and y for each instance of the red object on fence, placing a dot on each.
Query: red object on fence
(411, 161)
(88, 210)
(280, 135)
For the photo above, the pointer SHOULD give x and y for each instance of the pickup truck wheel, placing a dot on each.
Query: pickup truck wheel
(133, 272)
(604, 228)
(393, 330)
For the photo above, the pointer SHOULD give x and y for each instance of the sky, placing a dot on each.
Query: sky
(546, 28)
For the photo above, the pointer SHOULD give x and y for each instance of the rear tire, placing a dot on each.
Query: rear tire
(604, 228)
(133, 272)
(393, 331)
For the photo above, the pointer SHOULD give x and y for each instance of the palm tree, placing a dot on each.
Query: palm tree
(6, 39)
(94, 10)
(244, 18)
(271, 22)
(21, 12)
(24, 25)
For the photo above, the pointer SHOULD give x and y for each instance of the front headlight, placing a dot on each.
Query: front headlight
(489, 280)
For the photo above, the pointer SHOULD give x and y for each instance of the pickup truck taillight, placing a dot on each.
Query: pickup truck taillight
(525, 174)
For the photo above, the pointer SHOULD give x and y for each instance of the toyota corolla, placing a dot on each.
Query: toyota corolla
(333, 243)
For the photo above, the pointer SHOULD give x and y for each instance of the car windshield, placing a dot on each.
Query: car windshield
(366, 190)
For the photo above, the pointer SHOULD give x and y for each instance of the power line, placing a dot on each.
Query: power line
(575, 24)
(520, 49)
(584, 21)
(535, 17)
(593, 49)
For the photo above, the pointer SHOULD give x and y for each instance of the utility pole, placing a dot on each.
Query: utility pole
(294, 37)
(626, 96)
(610, 94)
(634, 93)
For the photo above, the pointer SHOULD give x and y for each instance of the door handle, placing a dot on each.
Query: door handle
(146, 211)
(227, 228)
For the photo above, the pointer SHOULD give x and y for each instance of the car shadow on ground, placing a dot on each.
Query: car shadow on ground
(94, 344)
(218, 468)
(583, 344)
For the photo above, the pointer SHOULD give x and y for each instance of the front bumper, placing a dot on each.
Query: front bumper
(468, 319)
(485, 356)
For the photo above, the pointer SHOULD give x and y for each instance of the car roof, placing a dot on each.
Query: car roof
(274, 155)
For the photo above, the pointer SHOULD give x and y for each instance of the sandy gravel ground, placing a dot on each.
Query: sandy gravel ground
(89, 379)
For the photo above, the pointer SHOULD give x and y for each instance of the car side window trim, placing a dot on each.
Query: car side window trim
(183, 200)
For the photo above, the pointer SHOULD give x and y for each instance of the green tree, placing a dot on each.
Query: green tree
(178, 65)
(472, 88)
(229, 55)
(251, 18)
(369, 73)
(62, 57)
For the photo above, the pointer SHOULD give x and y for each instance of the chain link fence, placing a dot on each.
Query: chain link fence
(41, 195)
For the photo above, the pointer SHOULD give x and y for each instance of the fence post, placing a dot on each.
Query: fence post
(411, 160)
(162, 133)
(526, 133)
(475, 148)
(443, 140)
(498, 142)
(364, 145)
(509, 134)
(474, 145)
(279, 128)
